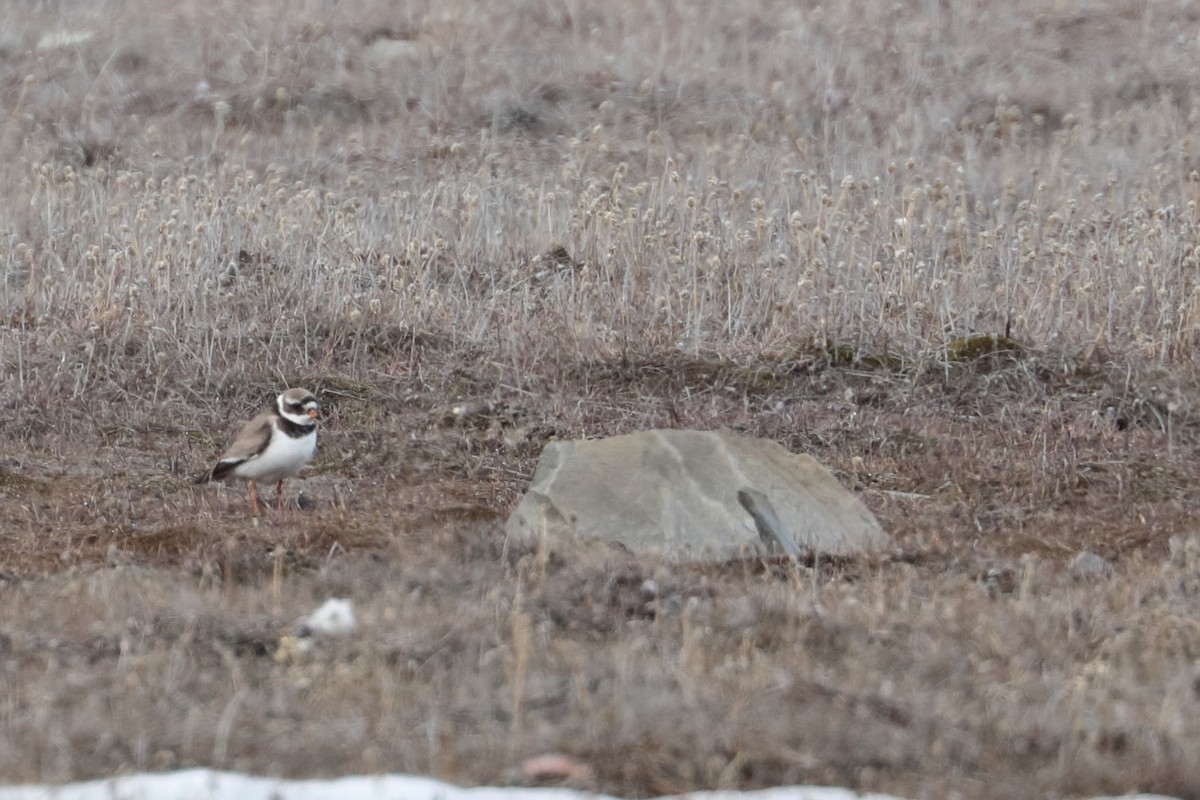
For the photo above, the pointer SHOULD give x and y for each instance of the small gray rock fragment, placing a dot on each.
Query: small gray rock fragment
(774, 534)
(1087, 564)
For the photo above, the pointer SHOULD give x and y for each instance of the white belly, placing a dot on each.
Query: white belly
(283, 457)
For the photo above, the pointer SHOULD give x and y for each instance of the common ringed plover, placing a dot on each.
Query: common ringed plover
(272, 446)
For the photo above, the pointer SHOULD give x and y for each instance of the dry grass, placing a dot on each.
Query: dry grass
(947, 249)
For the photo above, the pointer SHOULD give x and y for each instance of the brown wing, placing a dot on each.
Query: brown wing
(250, 442)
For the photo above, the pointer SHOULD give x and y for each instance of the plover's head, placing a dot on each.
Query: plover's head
(299, 406)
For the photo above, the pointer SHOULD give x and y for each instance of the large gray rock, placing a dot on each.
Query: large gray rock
(694, 495)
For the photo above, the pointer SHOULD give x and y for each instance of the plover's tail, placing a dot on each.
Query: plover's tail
(223, 469)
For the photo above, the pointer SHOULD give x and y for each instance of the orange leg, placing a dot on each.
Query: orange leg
(279, 496)
(253, 497)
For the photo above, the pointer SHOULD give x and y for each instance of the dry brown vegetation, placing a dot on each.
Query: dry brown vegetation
(947, 248)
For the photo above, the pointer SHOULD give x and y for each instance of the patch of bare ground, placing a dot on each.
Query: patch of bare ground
(966, 282)
(142, 615)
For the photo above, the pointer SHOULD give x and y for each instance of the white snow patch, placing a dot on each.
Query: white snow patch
(205, 784)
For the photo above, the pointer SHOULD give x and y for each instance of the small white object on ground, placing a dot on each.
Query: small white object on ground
(335, 617)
